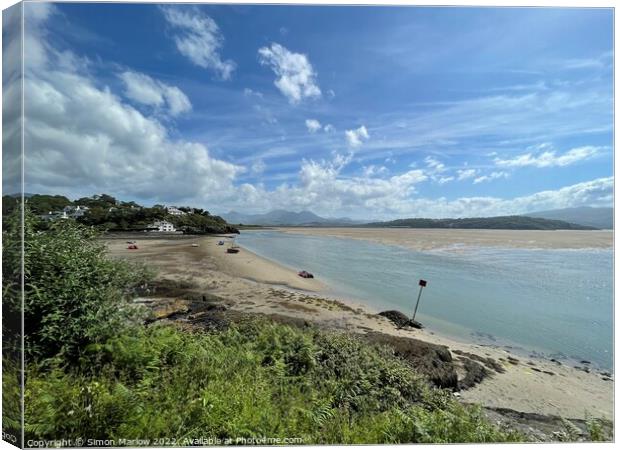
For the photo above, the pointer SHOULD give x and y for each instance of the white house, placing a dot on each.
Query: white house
(163, 226)
(174, 211)
(74, 211)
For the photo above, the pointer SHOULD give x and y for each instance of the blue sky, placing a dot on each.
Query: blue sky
(369, 112)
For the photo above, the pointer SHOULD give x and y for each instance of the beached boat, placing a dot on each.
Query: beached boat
(220, 243)
(233, 248)
(194, 245)
(305, 274)
(132, 247)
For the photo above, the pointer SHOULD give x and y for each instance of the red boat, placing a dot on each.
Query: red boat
(305, 274)
(132, 247)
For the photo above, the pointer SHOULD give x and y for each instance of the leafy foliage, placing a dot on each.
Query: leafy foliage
(38, 203)
(106, 213)
(252, 380)
(73, 294)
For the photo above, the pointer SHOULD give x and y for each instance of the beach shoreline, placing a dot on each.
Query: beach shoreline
(256, 285)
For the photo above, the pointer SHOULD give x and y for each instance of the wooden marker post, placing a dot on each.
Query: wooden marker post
(422, 285)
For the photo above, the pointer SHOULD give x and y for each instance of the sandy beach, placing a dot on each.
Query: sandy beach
(252, 284)
(432, 239)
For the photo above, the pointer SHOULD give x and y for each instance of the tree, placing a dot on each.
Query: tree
(73, 294)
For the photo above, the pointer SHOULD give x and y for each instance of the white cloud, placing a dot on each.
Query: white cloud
(296, 76)
(598, 192)
(434, 164)
(356, 137)
(80, 135)
(198, 38)
(329, 128)
(373, 170)
(491, 176)
(464, 174)
(145, 90)
(324, 189)
(313, 125)
(550, 158)
(444, 180)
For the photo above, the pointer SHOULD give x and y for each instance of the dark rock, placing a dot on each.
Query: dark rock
(537, 427)
(489, 362)
(416, 324)
(584, 361)
(400, 319)
(475, 373)
(433, 361)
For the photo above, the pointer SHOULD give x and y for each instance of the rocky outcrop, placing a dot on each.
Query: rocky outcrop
(433, 361)
(400, 319)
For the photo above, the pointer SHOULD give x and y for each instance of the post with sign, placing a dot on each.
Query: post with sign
(422, 284)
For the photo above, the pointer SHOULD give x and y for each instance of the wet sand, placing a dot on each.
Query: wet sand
(431, 239)
(252, 284)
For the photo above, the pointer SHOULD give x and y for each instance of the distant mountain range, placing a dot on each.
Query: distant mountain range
(602, 218)
(281, 217)
(578, 221)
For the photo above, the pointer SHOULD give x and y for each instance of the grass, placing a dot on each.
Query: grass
(254, 380)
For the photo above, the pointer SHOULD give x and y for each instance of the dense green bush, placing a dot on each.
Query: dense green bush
(73, 294)
(253, 380)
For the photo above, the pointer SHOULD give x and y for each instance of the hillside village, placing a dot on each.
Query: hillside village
(109, 214)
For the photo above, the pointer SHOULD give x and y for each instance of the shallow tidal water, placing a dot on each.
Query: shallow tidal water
(551, 303)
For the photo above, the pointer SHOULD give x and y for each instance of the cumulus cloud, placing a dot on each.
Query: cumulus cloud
(198, 38)
(598, 192)
(143, 89)
(324, 189)
(296, 78)
(322, 185)
(550, 158)
(313, 125)
(356, 137)
(80, 135)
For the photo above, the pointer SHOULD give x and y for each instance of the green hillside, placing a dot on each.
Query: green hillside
(491, 223)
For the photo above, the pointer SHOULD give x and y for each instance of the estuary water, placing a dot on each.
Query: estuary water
(552, 303)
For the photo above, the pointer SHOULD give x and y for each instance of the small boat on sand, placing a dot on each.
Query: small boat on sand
(233, 248)
(305, 274)
(132, 247)
(220, 243)
(194, 245)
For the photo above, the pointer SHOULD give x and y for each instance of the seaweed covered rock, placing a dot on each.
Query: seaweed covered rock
(400, 319)
(433, 361)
